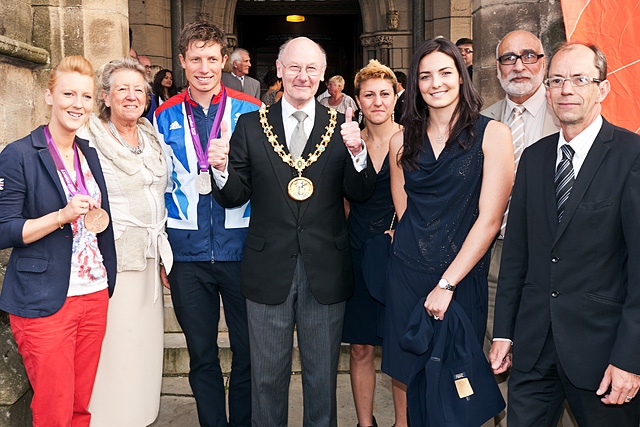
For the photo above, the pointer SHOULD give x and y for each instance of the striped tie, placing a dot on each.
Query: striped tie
(516, 123)
(564, 179)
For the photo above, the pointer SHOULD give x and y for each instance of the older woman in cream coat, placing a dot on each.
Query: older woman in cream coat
(127, 388)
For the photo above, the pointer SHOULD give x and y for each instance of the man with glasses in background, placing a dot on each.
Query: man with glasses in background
(568, 298)
(520, 66)
(465, 46)
(296, 271)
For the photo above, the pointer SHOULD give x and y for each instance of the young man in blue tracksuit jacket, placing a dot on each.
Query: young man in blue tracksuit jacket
(207, 240)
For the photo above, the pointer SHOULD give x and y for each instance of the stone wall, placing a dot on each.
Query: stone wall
(34, 35)
(490, 25)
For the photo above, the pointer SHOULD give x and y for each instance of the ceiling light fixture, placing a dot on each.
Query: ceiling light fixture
(295, 18)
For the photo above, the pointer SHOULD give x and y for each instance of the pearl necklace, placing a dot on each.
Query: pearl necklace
(135, 150)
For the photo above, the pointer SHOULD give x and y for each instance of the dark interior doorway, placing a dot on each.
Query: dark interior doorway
(262, 27)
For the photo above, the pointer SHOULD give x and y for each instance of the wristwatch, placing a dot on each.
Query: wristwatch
(444, 284)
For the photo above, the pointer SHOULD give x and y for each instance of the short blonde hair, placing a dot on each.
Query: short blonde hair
(339, 80)
(375, 70)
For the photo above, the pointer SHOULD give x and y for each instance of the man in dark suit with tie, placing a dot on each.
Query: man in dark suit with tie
(296, 271)
(569, 285)
(399, 108)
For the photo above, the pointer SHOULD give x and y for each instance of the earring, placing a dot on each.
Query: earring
(359, 116)
(393, 116)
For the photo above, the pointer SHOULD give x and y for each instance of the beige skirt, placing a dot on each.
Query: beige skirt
(127, 388)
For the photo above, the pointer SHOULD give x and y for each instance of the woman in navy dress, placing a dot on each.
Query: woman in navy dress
(376, 94)
(451, 176)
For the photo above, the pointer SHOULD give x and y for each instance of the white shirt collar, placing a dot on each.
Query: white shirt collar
(581, 143)
(288, 109)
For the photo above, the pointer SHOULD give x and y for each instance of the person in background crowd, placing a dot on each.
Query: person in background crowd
(207, 240)
(54, 213)
(274, 86)
(568, 301)
(451, 175)
(337, 99)
(375, 91)
(398, 110)
(465, 45)
(162, 89)
(146, 63)
(127, 388)
(239, 78)
(520, 66)
(296, 270)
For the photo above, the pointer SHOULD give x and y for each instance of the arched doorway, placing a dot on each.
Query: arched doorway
(261, 27)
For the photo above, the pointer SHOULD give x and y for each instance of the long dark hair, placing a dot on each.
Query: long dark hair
(158, 89)
(416, 112)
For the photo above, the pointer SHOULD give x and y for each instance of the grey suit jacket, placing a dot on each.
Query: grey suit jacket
(251, 85)
(495, 111)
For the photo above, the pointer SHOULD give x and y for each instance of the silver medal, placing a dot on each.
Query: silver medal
(203, 183)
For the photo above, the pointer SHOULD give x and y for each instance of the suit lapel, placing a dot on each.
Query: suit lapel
(283, 171)
(549, 172)
(40, 142)
(595, 156)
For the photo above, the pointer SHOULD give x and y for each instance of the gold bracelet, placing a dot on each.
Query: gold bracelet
(59, 223)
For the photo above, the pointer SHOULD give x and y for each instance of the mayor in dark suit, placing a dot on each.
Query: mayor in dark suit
(296, 272)
(569, 284)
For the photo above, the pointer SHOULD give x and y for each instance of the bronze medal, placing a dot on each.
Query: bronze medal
(203, 183)
(300, 188)
(96, 220)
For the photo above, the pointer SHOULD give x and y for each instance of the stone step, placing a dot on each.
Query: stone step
(171, 323)
(176, 356)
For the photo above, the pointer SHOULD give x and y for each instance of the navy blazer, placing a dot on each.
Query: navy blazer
(448, 351)
(37, 277)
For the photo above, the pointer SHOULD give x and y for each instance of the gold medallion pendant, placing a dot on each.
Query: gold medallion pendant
(96, 220)
(300, 188)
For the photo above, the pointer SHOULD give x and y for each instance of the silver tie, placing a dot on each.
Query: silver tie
(516, 123)
(298, 137)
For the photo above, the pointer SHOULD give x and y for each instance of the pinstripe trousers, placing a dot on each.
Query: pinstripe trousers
(319, 328)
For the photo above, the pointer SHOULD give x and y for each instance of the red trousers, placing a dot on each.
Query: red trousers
(61, 353)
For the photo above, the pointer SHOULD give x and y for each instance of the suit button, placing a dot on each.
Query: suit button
(294, 256)
(555, 259)
(300, 229)
(555, 294)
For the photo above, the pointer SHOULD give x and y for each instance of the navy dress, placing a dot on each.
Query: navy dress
(442, 206)
(363, 315)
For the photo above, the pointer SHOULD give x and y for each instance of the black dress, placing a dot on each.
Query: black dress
(442, 206)
(363, 315)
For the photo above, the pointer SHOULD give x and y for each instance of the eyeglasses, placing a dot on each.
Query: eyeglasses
(294, 70)
(526, 58)
(576, 81)
(465, 50)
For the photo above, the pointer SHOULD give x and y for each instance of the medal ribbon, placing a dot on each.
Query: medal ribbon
(73, 188)
(203, 164)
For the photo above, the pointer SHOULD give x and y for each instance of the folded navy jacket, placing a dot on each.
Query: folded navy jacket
(451, 383)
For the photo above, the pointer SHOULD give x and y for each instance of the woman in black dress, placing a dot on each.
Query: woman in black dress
(376, 95)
